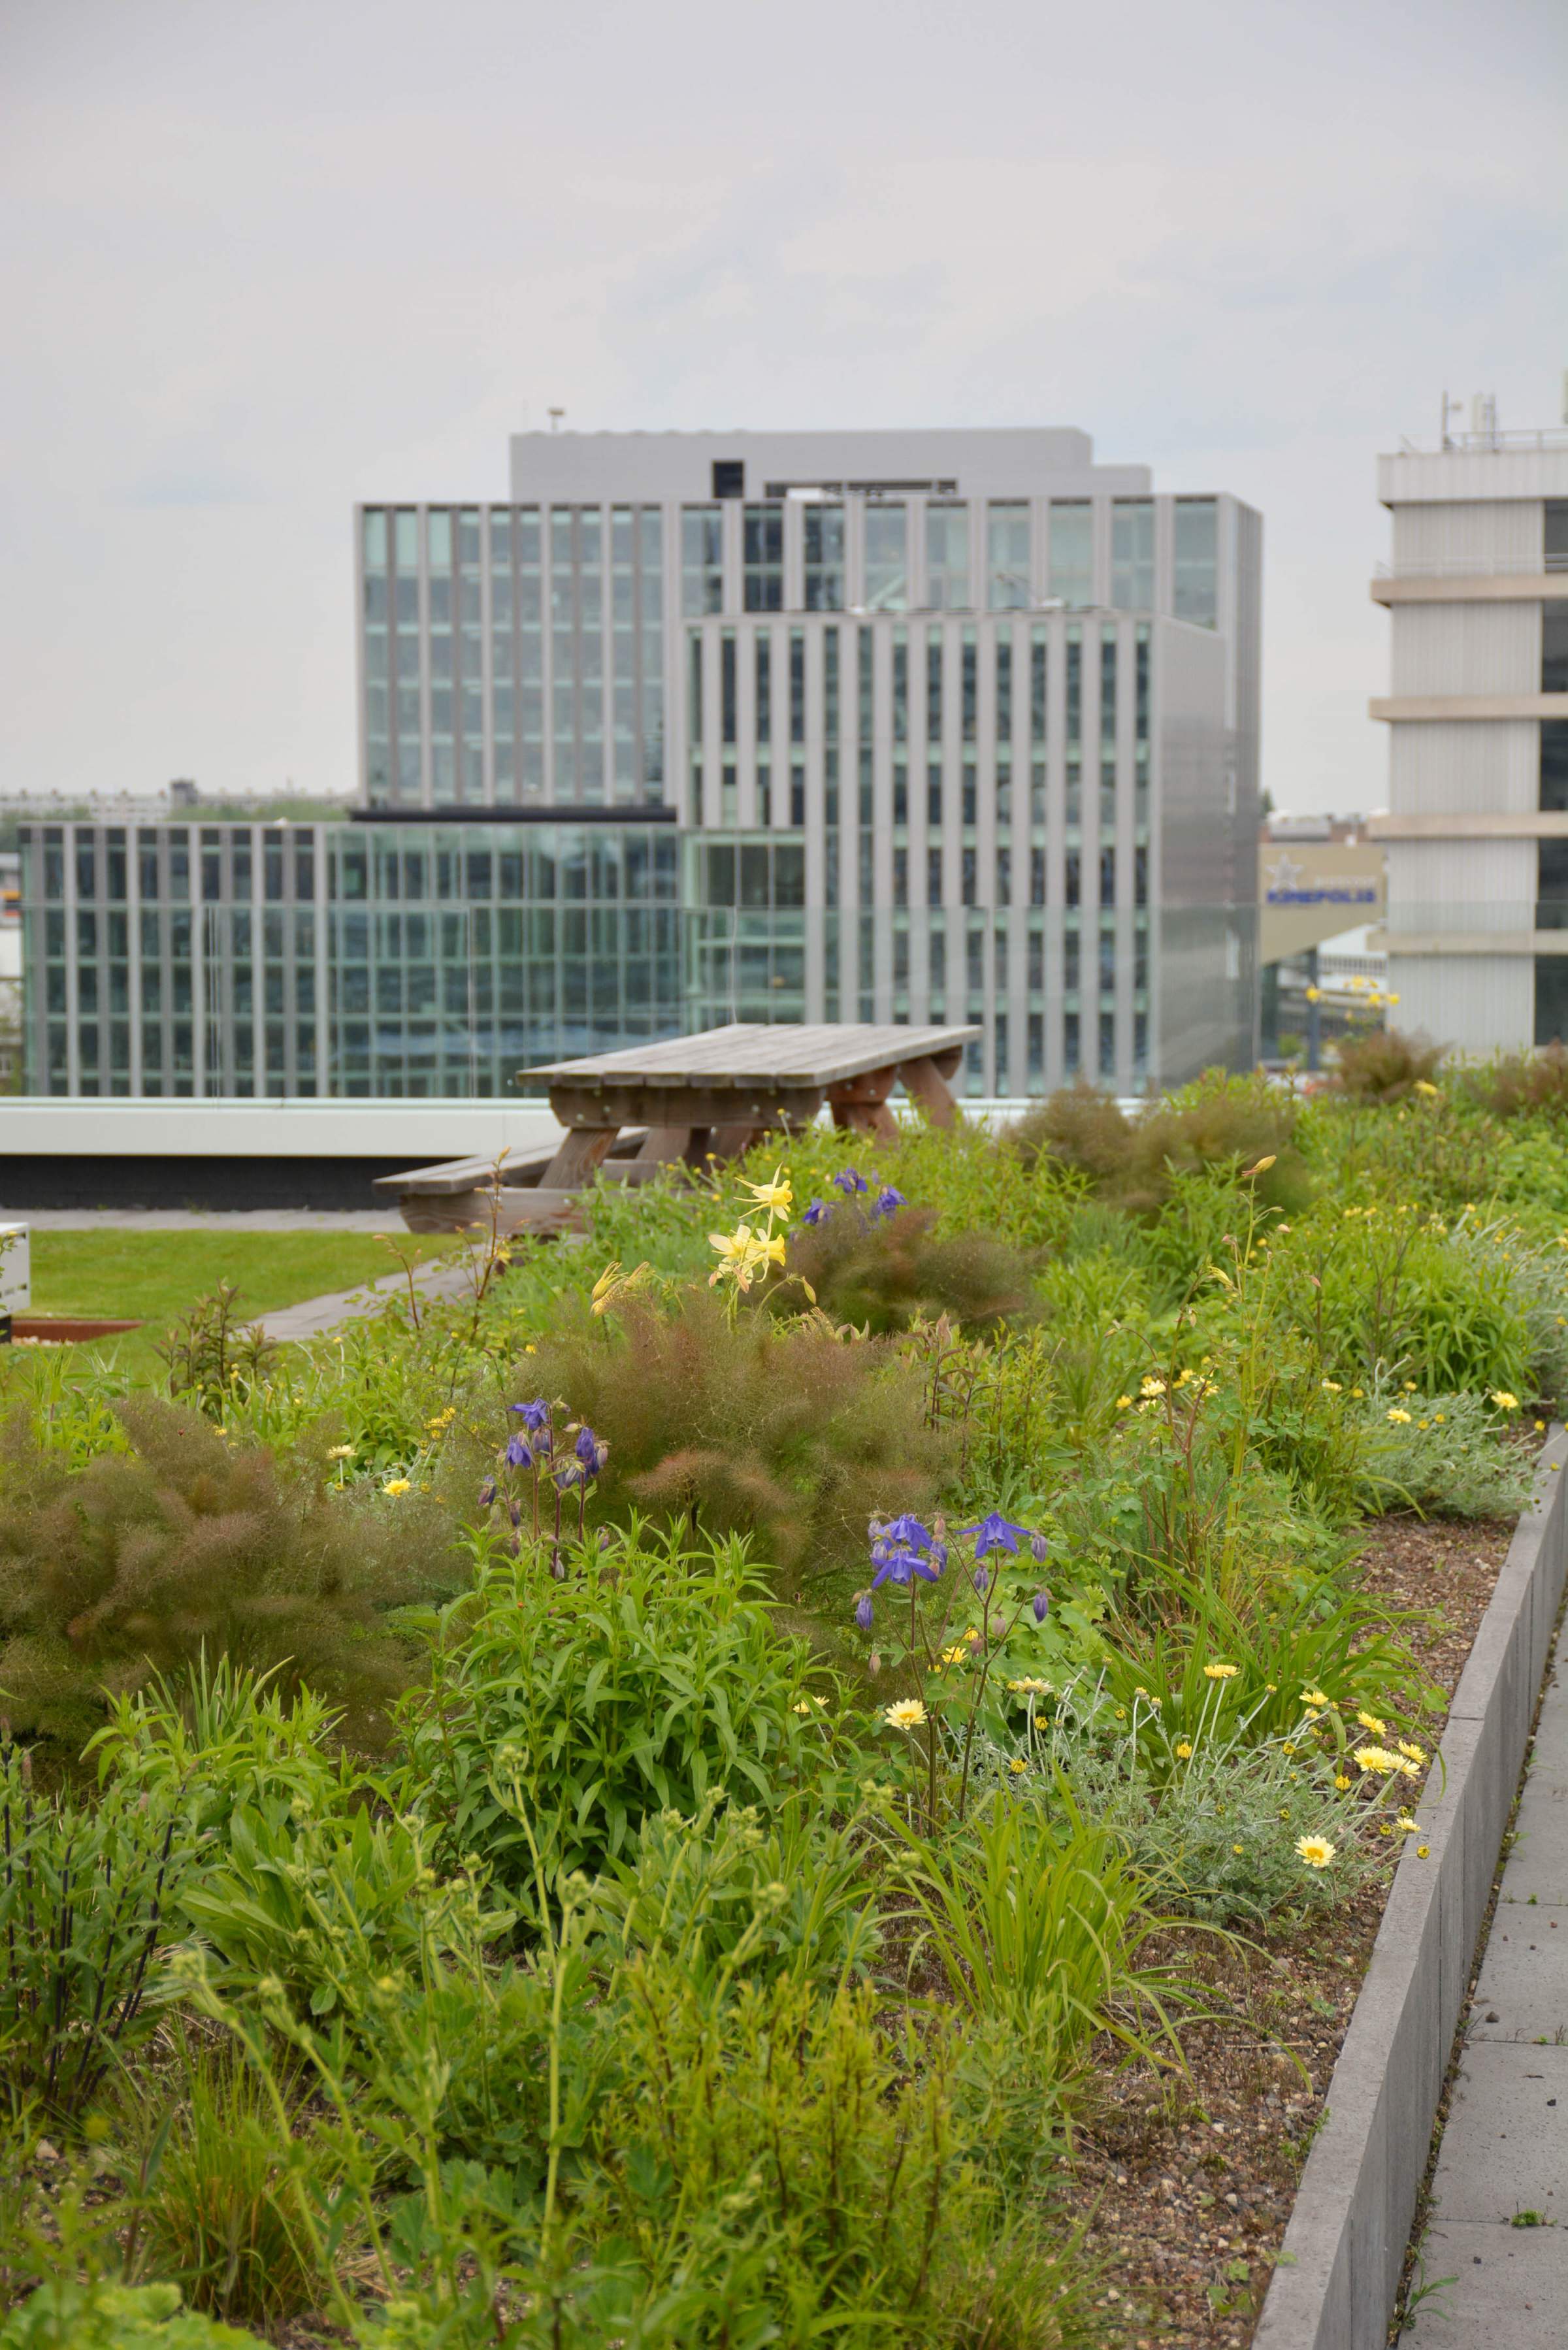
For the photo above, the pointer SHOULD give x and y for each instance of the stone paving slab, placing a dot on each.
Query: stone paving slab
(317, 1315)
(1521, 1993)
(1538, 1864)
(1506, 2146)
(1508, 2292)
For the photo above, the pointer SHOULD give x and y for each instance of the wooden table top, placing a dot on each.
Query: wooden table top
(747, 1053)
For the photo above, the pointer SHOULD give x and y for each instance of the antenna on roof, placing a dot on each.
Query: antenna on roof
(554, 415)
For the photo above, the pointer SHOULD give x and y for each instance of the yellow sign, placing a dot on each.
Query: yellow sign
(1309, 890)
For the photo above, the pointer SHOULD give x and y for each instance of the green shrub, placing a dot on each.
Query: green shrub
(1522, 1084)
(566, 1712)
(1440, 1453)
(218, 1738)
(1390, 1287)
(883, 1272)
(209, 1349)
(1225, 1124)
(789, 1434)
(145, 1560)
(1383, 1066)
(65, 2315)
(220, 2203)
(86, 1894)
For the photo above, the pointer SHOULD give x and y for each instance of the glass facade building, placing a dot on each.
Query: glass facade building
(895, 726)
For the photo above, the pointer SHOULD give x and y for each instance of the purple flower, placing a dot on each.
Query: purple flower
(591, 1451)
(981, 1578)
(888, 1201)
(1039, 1549)
(1041, 1603)
(818, 1213)
(517, 1454)
(487, 1492)
(533, 1415)
(939, 1555)
(993, 1532)
(864, 1611)
(898, 1563)
(907, 1529)
(850, 1181)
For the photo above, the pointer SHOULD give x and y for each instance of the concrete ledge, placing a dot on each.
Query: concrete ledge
(1344, 2251)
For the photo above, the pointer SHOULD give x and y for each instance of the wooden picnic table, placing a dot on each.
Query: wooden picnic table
(715, 1094)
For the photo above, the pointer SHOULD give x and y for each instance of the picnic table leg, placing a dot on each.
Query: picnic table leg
(732, 1141)
(925, 1086)
(862, 1103)
(582, 1149)
(664, 1144)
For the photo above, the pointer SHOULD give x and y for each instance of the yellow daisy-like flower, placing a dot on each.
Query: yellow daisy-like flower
(1220, 1672)
(807, 1704)
(397, 1485)
(340, 1452)
(1408, 1386)
(1341, 1781)
(1237, 1848)
(1370, 1722)
(1018, 1766)
(1423, 1851)
(907, 1714)
(1124, 1403)
(1376, 1758)
(1356, 1394)
(1184, 1751)
(1316, 1850)
(1405, 1824)
(1433, 1093)
(1029, 1688)
(959, 1654)
(1408, 1747)
(1330, 1386)
(1503, 1400)
(1315, 1697)
(1400, 1418)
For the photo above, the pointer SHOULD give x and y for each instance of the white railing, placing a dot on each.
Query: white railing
(1470, 444)
(1472, 567)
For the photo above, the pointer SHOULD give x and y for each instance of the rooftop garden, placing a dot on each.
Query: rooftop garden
(804, 1772)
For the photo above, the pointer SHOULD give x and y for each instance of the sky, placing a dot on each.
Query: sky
(258, 261)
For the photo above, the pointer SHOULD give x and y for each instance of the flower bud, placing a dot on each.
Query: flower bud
(981, 1578)
(1041, 1606)
(874, 1664)
(998, 1627)
(1039, 1549)
(864, 1611)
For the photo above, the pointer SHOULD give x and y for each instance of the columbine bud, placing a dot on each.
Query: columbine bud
(939, 1527)
(874, 1664)
(998, 1627)
(1040, 1548)
(487, 1492)
(864, 1611)
(981, 1578)
(1041, 1606)
(605, 1538)
(937, 1553)
(514, 1512)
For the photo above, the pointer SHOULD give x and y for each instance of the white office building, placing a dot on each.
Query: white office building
(1477, 831)
(954, 724)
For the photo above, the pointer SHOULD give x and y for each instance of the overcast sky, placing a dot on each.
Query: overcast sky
(261, 257)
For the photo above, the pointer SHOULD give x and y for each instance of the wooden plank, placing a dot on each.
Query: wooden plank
(744, 1053)
(587, 1108)
(582, 1148)
(925, 1083)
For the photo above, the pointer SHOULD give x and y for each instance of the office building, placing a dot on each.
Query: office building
(1477, 829)
(949, 725)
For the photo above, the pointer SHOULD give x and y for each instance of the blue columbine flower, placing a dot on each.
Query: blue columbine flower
(888, 1201)
(907, 1529)
(864, 1611)
(993, 1532)
(818, 1213)
(591, 1451)
(1041, 1606)
(850, 1181)
(533, 1415)
(898, 1563)
(517, 1454)
(487, 1492)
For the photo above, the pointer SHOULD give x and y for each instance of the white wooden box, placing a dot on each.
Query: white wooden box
(15, 1269)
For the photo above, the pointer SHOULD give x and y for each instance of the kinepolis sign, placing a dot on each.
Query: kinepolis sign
(1309, 890)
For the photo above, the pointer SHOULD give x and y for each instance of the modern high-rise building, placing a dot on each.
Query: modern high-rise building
(696, 727)
(1477, 831)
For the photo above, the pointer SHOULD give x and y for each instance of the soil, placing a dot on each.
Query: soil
(1186, 2186)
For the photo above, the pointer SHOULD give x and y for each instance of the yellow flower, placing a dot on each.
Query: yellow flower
(1330, 1386)
(1400, 1418)
(1124, 1403)
(1027, 1687)
(1315, 1697)
(1341, 1781)
(396, 1485)
(1376, 1758)
(1018, 1766)
(1152, 1387)
(1370, 1722)
(1409, 1387)
(1423, 1851)
(1356, 1394)
(1237, 1848)
(907, 1714)
(1409, 1746)
(1405, 1824)
(340, 1452)
(1220, 1672)
(1288, 1747)
(959, 1654)
(1503, 1400)
(1184, 1751)
(807, 1704)
(1432, 1092)
(1316, 1850)
(775, 1196)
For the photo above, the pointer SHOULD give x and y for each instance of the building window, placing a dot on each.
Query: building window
(1195, 555)
(1072, 553)
(1007, 557)
(1556, 534)
(1553, 652)
(762, 540)
(1553, 765)
(702, 560)
(887, 557)
(729, 477)
(1132, 554)
(947, 557)
(824, 547)
(1108, 688)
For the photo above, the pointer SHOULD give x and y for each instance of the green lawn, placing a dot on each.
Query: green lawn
(153, 1278)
